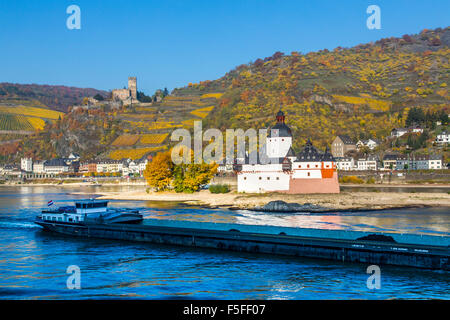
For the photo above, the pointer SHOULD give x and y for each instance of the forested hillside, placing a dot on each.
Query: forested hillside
(55, 97)
(363, 91)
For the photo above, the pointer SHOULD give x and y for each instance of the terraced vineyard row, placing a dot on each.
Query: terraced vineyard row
(126, 140)
(147, 128)
(203, 112)
(14, 122)
(133, 153)
(33, 111)
(153, 138)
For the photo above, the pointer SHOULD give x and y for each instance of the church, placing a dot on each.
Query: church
(309, 171)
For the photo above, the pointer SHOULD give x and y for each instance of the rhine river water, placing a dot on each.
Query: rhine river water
(33, 263)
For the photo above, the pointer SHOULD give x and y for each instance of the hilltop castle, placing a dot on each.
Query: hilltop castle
(126, 95)
(310, 171)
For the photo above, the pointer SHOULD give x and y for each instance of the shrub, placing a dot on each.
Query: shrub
(370, 180)
(351, 179)
(219, 188)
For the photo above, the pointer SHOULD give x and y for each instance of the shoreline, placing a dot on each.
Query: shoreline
(348, 200)
(143, 184)
(345, 201)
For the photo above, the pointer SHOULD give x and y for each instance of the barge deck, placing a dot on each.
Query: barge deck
(411, 250)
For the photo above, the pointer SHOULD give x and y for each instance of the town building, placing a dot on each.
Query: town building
(38, 167)
(416, 129)
(26, 164)
(369, 143)
(419, 162)
(345, 163)
(435, 162)
(109, 166)
(341, 145)
(398, 132)
(443, 138)
(55, 166)
(11, 170)
(280, 170)
(390, 161)
(368, 163)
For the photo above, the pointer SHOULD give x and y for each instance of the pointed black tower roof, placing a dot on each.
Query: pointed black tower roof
(280, 129)
(309, 153)
(327, 156)
(290, 153)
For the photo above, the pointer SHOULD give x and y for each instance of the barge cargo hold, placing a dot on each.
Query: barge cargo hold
(420, 251)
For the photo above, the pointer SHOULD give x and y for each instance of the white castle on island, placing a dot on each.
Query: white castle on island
(310, 171)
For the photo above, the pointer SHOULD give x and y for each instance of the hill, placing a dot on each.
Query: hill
(103, 131)
(363, 92)
(54, 97)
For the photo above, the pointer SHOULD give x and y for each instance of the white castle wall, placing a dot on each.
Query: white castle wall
(262, 178)
(278, 146)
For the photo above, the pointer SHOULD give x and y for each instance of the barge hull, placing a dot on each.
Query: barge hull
(369, 252)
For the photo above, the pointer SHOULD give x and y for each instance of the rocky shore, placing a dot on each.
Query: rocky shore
(345, 201)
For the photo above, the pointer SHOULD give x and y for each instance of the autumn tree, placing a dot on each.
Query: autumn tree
(159, 172)
(162, 173)
(190, 177)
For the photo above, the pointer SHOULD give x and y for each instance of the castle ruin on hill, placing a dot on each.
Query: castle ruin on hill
(126, 95)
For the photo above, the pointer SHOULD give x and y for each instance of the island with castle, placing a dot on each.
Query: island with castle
(308, 171)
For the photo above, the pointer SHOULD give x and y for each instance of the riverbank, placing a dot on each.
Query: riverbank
(75, 184)
(340, 202)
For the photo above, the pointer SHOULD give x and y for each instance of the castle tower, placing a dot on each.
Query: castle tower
(279, 139)
(132, 86)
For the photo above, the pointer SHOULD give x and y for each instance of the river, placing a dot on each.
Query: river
(33, 263)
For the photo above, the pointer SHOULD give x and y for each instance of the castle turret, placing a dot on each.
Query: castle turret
(132, 86)
(279, 139)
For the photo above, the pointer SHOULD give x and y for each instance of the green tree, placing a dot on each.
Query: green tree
(190, 177)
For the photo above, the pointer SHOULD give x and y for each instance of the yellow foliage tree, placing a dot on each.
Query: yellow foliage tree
(159, 172)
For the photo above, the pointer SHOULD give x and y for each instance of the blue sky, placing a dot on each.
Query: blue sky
(171, 43)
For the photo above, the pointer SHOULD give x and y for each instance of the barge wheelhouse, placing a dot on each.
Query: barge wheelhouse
(88, 211)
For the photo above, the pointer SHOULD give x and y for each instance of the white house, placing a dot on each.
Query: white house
(142, 165)
(443, 138)
(26, 164)
(370, 143)
(133, 167)
(435, 162)
(55, 166)
(38, 167)
(398, 132)
(345, 164)
(369, 163)
(417, 129)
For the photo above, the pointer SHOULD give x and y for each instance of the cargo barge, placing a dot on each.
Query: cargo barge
(410, 250)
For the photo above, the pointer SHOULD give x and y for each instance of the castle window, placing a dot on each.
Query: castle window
(309, 174)
(245, 178)
(307, 165)
(260, 178)
(299, 166)
(282, 139)
(278, 178)
(317, 166)
(268, 178)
